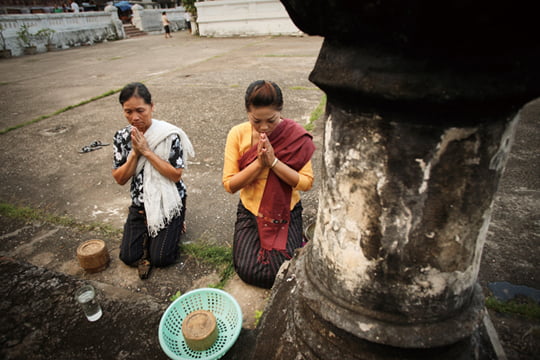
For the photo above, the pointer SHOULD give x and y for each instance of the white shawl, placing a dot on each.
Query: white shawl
(161, 199)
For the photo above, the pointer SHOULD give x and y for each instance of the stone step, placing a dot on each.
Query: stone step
(132, 31)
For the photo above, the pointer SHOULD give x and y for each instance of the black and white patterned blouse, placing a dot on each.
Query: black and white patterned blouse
(122, 148)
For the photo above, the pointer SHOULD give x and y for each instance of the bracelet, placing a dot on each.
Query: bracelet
(274, 163)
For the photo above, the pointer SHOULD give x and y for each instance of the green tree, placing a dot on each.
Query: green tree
(190, 7)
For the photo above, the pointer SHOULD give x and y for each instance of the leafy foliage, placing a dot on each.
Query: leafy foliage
(26, 38)
(190, 7)
(46, 34)
(258, 315)
(175, 296)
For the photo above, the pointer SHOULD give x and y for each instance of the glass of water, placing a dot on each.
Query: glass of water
(86, 297)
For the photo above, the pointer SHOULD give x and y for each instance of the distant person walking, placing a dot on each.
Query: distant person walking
(75, 7)
(187, 17)
(166, 25)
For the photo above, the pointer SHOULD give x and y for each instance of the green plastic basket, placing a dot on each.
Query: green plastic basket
(228, 317)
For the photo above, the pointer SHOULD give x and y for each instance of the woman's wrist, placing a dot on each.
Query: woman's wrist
(274, 163)
(134, 154)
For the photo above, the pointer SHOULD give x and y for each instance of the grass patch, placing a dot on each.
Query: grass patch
(226, 274)
(26, 213)
(116, 58)
(316, 114)
(218, 256)
(43, 117)
(528, 309)
(212, 254)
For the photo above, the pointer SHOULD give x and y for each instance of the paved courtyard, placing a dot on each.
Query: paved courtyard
(197, 84)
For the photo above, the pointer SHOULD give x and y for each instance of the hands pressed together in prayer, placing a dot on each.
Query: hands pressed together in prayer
(140, 147)
(268, 159)
(139, 143)
(265, 151)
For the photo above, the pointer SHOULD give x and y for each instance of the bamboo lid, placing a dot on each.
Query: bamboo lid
(200, 330)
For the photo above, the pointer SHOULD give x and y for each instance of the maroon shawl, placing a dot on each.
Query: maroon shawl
(293, 146)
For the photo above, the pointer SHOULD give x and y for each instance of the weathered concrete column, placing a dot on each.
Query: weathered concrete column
(421, 116)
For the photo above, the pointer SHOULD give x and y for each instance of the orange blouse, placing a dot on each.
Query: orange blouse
(238, 142)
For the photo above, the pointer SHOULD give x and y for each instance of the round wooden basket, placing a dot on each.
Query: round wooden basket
(93, 255)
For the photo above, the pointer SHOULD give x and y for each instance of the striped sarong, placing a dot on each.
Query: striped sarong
(247, 245)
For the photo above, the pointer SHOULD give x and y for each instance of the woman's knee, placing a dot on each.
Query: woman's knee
(127, 259)
(265, 281)
(162, 261)
(242, 271)
(254, 273)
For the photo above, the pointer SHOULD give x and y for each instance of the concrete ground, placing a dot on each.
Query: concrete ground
(197, 84)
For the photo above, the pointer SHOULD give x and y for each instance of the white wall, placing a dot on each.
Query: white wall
(149, 20)
(244, 18)
(70, 29)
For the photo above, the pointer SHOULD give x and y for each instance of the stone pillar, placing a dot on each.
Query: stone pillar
(421, 116)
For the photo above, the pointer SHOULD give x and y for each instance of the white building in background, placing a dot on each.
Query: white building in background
(222, 18)
(218, 18)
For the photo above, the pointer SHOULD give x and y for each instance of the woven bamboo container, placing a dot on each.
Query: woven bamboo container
(93, 255)
(200, 330)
